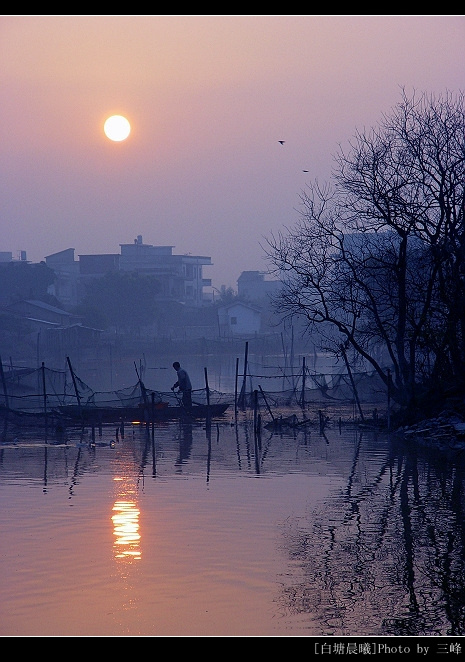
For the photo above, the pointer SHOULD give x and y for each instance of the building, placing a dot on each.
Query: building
(55, 332)
(65, 287)
(7, 256)
(239, 319)
(252, 286)
(40, 313)
(180, 276)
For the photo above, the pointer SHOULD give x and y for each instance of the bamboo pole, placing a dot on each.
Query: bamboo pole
(292, 357)
(153, 414)
(44, 390)
(45, 397)
(242, 395)
(5, 391)
(255, 411)
(389, 401)
(354, 388)
(208, 397)
(267, 405)
(285, 361)
(303, 383)
(235, 386)
(73, 377)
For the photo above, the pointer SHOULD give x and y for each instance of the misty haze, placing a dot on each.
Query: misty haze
(232, 328)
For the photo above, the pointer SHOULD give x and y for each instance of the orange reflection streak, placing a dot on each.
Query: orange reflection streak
(126, 530)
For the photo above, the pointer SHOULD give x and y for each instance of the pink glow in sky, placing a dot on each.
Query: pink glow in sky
(208, 98)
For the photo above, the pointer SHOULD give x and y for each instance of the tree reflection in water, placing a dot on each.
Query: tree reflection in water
(386, 556)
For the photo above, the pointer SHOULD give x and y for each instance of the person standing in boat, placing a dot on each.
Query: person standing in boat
(183, 384)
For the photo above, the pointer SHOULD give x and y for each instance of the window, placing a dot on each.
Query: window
(233, 320)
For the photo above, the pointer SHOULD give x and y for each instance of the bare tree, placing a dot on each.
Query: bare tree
(377, 258)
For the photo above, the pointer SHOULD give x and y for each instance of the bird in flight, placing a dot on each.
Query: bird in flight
(281, 141)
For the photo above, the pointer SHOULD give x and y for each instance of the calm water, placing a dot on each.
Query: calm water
(192, 531)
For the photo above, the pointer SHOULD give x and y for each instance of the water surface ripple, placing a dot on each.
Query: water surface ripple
(190, 530)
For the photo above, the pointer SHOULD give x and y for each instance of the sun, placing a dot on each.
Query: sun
(117, 128)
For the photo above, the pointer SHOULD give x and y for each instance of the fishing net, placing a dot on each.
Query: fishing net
(35, 390)
(30, 390)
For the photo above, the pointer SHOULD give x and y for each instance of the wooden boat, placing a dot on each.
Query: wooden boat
(75, 414)
(53, 401)
(160, 411)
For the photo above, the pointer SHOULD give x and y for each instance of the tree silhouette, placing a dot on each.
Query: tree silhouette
(124, 300)
(376, 261)
(20, 280)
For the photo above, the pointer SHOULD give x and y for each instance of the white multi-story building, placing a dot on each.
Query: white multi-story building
(180, 276)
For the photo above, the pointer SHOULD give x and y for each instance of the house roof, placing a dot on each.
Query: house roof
(43, 306)
(243, 304)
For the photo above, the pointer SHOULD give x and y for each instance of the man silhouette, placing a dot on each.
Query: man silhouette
(183, 384)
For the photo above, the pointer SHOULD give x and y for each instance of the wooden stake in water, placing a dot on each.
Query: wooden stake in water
(255, 411)
(389, 401)
(208, 397)
(302, 401)
(153, 414)
(44, 392)
(267, 405)
(73, 377)
(242, 395)
(5, 392)
(235, 386)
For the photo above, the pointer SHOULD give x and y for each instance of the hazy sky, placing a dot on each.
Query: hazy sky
(208, 98)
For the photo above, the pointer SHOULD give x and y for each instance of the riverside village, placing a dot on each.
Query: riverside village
(84, 307)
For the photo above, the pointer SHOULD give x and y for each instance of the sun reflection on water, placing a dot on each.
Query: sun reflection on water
(126, 528)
